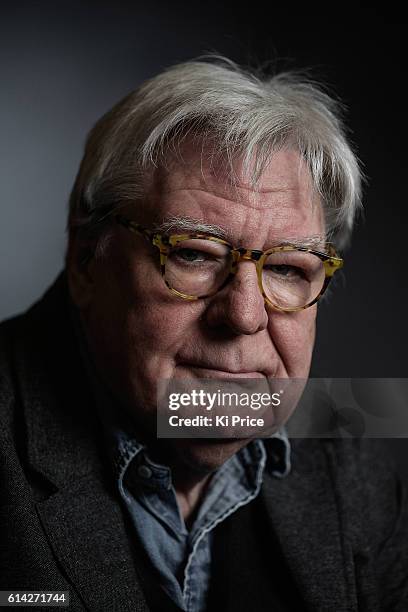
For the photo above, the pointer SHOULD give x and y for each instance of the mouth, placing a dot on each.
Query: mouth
(204, 371)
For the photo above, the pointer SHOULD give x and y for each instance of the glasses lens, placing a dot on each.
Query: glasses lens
(292, 279)
(197, 267)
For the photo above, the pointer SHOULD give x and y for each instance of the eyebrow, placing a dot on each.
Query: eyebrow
(185, 224)
(176, 224)
(317, 242)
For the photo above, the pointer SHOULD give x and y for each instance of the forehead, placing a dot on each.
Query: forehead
(282, 205)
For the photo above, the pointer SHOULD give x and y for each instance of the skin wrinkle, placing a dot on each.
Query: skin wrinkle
(251, 193)
(248, 188)
(139, 332)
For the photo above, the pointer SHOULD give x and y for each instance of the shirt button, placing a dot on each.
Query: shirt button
(144, 471)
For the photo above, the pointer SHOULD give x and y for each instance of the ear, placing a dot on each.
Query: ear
(80, 265)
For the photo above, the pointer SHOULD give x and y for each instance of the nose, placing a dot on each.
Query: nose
(239, 305)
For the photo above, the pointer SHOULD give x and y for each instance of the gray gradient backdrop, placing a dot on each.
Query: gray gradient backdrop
(63, 64)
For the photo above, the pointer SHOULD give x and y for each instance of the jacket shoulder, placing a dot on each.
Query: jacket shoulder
(8, 382)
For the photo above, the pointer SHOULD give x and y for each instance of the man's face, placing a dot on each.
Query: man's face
(139, 332)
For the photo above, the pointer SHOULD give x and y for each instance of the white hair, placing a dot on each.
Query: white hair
(245, 115)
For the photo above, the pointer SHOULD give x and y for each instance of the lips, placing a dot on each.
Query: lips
(212, 371)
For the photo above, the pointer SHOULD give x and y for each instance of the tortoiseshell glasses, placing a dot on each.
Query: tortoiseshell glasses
(195, 266)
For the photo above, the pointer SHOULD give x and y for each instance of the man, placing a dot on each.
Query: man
(188, 190)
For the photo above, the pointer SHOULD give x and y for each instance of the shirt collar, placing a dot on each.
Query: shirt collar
(273, 452)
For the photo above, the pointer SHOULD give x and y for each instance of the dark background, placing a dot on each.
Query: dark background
(65, 63)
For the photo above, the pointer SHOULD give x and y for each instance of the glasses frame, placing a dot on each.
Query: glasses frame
(331, 261)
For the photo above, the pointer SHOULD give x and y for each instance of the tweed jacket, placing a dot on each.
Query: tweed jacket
(340, 518)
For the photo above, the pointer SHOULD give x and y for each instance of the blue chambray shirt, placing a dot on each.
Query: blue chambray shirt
(182, 557)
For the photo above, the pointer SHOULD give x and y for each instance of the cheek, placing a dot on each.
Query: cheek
(136, 330)
(293, 336)
(159, 329)
(157, 323)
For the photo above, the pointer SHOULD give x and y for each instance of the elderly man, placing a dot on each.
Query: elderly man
(203, 225)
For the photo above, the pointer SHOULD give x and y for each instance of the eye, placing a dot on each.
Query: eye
(285, 270)
(199, 252)
(189, 255)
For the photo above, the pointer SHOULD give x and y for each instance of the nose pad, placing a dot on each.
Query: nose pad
(240, 304)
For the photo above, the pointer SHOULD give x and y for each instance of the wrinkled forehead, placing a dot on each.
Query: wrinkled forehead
(198, 184)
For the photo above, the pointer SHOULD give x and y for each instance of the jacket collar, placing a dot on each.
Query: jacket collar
(304, 514)
(61, 425)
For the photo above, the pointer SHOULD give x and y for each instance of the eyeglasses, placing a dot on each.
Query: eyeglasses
(195, 266)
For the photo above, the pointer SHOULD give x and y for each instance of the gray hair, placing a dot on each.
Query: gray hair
(244, 114)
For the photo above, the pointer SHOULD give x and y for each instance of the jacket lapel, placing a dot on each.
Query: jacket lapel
(305, 519)
(81, 516)
(86, 531)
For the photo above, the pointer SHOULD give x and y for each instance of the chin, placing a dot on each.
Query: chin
(204, 456)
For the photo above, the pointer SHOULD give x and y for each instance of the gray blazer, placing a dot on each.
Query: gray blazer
(340, 517)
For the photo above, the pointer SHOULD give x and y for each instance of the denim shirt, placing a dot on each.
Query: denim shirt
(182, 557)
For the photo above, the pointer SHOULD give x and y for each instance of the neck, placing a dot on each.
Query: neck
(191, 472)
(190, 490)
(189, 484)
